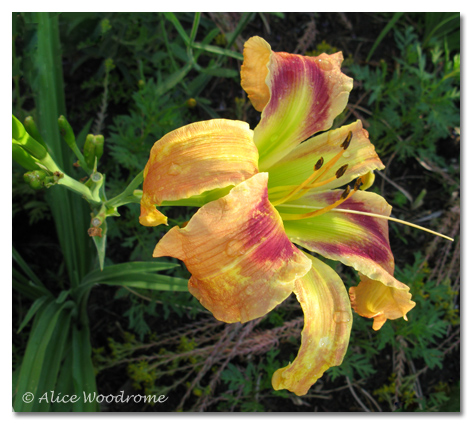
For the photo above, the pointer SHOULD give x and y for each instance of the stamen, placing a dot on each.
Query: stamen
(314, 180)
(347, 141)
(368, 214)
(347, 193)
(319, 164)
(341, 171)
(307, 181)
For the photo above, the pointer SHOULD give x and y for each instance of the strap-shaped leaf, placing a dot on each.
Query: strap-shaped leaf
(83, 375)
(125, 272)
(33, 360)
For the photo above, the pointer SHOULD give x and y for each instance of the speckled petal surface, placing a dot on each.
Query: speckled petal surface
(241, 261)
(194, 159)
(326, 332)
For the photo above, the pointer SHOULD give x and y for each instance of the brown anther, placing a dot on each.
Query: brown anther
(358, 183)
(341, 171)
(347, 141)
(319, 164)
(346, 192)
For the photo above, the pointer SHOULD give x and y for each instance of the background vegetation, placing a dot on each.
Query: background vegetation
(134, 77)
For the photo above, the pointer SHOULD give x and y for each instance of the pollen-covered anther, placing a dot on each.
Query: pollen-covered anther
(319, 163)
(345, 193)
(341, 171)
(347, 141)
(358, 183)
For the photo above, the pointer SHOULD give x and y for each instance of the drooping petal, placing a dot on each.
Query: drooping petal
(298, 165)
(326, 332)
(254, 71)
(241, 261)
(306, 94)
(194, 159)
(358, 241)
(373, 299)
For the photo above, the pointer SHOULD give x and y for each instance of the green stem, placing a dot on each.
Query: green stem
(124, 197)
(79, 188)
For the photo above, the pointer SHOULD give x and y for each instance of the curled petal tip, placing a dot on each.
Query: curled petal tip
(150, 216)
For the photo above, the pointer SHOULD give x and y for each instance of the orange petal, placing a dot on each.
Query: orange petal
(254, 71)
(326, 333)
(242, 262)
(375, 300)
(358, 241)
(194, 159)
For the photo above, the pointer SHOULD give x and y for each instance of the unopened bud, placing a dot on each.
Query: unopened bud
(32, 130)
(23, 158)
(35, 179)
(93, 148)
(66, 132)
(191, 103)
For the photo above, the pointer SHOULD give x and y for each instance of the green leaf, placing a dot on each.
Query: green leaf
(174, 79)
(156, 282)
(383, 33)
(32, 311)
(221, 72)
(70, 212)
(171, 17)
(119, 272)
(32, 364)
(218, 50)
(83, 375)
(53, 360)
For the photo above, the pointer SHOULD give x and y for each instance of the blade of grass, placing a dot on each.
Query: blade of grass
(171, 17)
(383, 33)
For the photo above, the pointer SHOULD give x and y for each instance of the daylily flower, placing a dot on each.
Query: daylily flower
(263, 192)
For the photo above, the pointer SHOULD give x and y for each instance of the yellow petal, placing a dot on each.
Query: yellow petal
(373, 299)
(150, 216)
(326, 332)
(256, 54)
(241, 261)
(196, 158)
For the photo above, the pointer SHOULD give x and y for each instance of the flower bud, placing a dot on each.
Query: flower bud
(23, 158)
(93, 148)
(35, 179)
(66, 132)
(32, 130)
(26, 141)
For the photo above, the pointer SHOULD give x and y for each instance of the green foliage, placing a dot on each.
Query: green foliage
(142, 75)
(416, 107)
